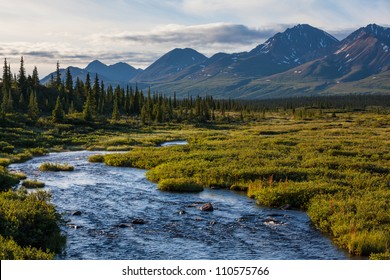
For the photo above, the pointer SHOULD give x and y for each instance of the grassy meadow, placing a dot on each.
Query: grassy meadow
(337, 168)
(334, 164)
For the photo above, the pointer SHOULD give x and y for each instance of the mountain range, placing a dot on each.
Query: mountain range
(302, 60)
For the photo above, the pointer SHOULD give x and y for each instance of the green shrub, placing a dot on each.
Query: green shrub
(7, 180)
(10, 250)
(5, 161)
(48, 166)
(295, 194)
(22, 157)
(38, 152)
(30, 220)
(6, 148)
(32, 184)
(380, 256)
(179, 185)
(358, 222)
(18, 175)
(96, 158)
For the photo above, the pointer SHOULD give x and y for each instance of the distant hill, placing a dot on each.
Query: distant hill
(170, 65)
(116, 74)
(302, 60)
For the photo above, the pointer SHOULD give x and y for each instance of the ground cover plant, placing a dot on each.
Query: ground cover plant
(49, 166)
(335, 168)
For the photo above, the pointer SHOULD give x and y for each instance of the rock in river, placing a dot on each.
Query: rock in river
(138, 221)
(207, 207)
(76, 213)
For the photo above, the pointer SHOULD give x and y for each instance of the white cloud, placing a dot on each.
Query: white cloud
(138, 32)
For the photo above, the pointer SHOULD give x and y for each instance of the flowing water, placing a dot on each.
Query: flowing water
(124, 216)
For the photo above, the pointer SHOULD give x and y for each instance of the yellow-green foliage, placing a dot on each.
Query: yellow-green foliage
(48, 166)
(380, 256)
(96, 158)
(179, 185)
(32, 184)
(295, 194)
(22, 157)
(359, 222)
(30, 220)
(7, 180)
(38, 152)
(10, 250)
(283, 160)
(5, 161)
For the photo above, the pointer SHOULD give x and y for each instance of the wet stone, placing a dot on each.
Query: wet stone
(208, 207)
(138, 222)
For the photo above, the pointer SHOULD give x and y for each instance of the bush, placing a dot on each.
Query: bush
(30, 220)
(96, 158)
(22, 157)
(48, 166)
(7, 180)
(32, 184)
(19, 175)
(179, 185)
(359, 222)
(10, 250)
(5, 161)
(38, 152)
(295, 194)
(380, 256)
(6, 148)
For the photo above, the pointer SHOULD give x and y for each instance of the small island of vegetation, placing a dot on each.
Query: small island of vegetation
(56, 167)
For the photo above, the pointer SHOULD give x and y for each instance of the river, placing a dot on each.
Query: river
(112, 201)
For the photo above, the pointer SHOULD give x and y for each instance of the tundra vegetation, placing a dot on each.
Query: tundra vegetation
(326, 155)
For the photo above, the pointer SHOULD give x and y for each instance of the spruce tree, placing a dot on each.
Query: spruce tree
(58, 114)
(33, 109)
(89, 108)
(22, 80)
(69, 82)
(58, 75)
(35, 78)
(4, 104)
(115, 109)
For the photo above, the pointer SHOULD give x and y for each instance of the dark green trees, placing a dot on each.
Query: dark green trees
(58, 114)
(33, 109)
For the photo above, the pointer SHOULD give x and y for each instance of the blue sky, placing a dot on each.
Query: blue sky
(76, 32)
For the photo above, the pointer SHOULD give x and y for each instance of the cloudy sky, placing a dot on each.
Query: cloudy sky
(76, 32)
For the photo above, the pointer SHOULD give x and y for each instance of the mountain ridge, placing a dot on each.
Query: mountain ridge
(302, 60)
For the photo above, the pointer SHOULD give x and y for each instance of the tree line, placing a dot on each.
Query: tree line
(92, 100)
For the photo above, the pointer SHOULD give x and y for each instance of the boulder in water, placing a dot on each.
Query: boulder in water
(208, 207)
(123, 225)
(76, 213)
(138, 222)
